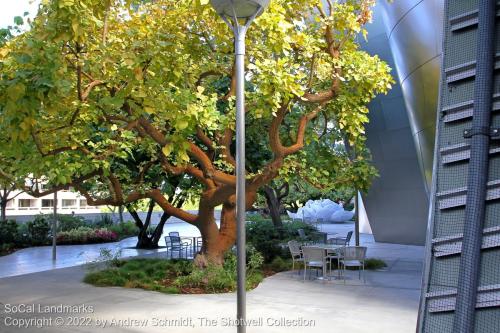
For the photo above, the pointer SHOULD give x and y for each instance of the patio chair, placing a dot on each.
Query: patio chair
(174, 244)
(296, 252)
(183, 239)
(341, 240)
(314, 257)
(354, 256)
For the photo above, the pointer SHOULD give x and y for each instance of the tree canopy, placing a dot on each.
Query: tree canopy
(108, 90)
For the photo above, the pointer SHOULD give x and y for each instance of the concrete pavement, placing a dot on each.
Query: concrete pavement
(388, 302)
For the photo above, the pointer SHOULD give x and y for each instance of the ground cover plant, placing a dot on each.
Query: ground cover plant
(177, 276)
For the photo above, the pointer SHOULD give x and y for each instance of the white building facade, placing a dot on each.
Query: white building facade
(68, 202)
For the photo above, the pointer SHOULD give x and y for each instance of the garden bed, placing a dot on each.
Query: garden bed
(181, 276)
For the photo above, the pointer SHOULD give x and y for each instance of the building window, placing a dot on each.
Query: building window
(27, 203)
(47, 203)
(83, 203)
(66, 203)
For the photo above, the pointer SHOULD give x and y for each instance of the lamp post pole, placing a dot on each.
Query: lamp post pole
(240, 34)
(54, 229)
(232, 11)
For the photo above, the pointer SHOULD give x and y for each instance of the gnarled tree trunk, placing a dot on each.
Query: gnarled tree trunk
(217, 240)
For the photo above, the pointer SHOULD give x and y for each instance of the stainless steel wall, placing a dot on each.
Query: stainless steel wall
(414, 29)
(397, 203)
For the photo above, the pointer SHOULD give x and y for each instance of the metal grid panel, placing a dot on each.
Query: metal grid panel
(452, 187)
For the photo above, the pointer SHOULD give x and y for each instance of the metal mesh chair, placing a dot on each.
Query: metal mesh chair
(295, 252)
(313, 257)
(354, 256)
(174, 244)
(341, 240)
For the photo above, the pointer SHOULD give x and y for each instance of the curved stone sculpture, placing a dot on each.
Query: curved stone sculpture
(326, 210)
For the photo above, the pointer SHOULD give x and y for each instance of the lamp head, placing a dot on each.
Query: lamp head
(243, 9)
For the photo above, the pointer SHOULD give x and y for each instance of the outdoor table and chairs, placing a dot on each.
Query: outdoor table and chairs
(182, 244)
(175, 244)
(319, 256)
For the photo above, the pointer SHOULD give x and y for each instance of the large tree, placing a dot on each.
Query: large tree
(94, 80)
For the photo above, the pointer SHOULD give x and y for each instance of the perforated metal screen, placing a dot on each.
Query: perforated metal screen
(455, 182)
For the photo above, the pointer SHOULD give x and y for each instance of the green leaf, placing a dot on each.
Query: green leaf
(18, 20)
(16, 91)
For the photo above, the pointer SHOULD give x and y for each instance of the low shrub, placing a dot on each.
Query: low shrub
(70, 222)
(149, 274)
(124, 229)
(374, 264)
(269, 241)
(38, 230)
(104, 221)
(278, 265)
(8, 232)
(7, 248)
(217, 279)
(86, 235)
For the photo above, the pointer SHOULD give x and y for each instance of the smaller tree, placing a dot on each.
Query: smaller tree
(176, 194)
(274, 194)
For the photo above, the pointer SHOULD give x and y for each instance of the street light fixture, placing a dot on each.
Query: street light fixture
(232, 11)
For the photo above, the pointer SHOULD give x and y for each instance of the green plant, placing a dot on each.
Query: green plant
(269, 241)
(279, 265)
(374, 264)
(255, 259)
(38, 230)
(104, 221)
(23, 235)
(70, 222)
(86, 235)
(124, 229)
(8, 232)
(149, 274)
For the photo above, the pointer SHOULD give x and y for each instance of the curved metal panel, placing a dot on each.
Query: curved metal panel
(397, 202)
(393, 14)
(415, 36)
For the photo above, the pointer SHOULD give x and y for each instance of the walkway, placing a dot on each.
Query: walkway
(388, 302)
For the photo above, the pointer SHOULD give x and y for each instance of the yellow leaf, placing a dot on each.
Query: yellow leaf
(167, 150)
(204, 2)
(4, 52)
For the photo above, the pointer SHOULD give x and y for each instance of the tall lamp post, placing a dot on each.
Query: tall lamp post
(239, 14)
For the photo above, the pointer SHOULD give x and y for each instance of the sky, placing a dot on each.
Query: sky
(11, 8)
